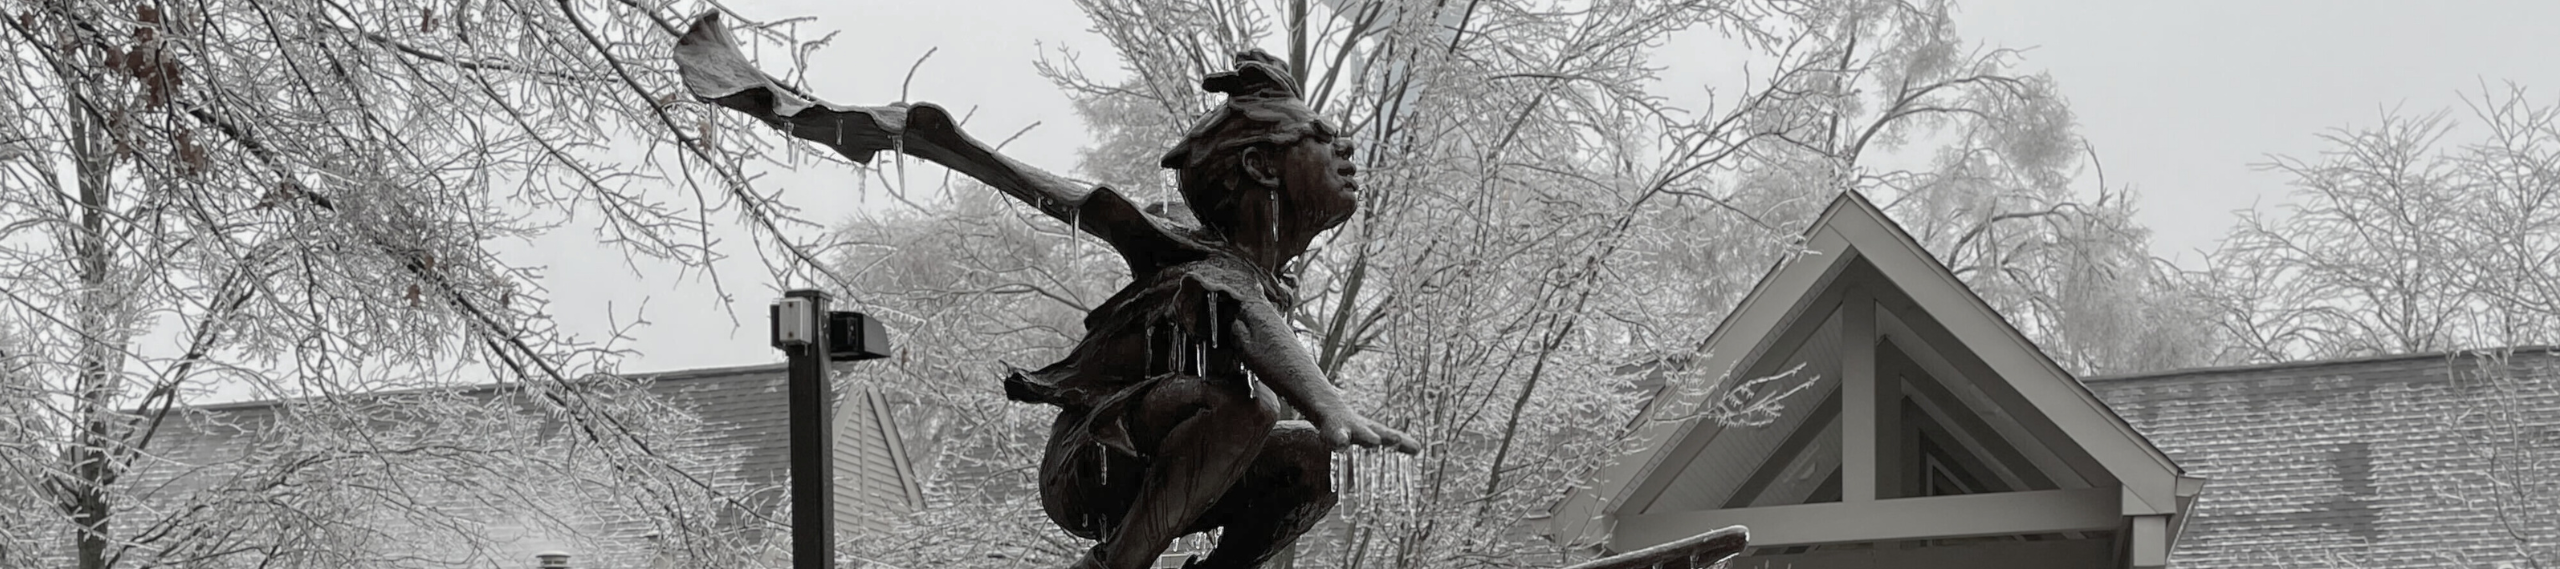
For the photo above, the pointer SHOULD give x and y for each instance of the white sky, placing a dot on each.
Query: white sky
(2180, 97)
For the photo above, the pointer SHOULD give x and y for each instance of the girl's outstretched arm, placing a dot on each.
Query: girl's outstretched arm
(716, 72)
(1271, 350)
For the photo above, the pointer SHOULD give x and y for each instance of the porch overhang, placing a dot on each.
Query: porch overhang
(1861, 274)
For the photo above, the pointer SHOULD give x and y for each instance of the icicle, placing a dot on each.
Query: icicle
(1105, 460)
(1214, 322)
(1353, 465)
(1341, 475)
(1407, 487)
(861, 193)
(898, 144)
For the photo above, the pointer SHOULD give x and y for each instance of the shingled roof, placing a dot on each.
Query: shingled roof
(739, 419)
(2375, 462)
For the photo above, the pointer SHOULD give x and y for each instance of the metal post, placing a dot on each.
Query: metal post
(800, 330)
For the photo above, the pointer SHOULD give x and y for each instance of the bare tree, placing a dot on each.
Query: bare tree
(972, 284)
(2401, 243)
(313, 198)
(1532, 219)
(2505, 471)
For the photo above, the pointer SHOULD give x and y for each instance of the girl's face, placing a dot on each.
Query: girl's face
(1317, 179)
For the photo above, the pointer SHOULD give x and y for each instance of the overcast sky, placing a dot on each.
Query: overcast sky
(2181, 98)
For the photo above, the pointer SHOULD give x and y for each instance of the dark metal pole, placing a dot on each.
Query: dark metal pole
(813, 490)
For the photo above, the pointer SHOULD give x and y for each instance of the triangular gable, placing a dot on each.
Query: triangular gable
(1950, 450)
(873, 474)
(1783, 311)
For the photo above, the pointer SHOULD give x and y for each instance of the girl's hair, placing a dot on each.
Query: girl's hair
(1262, 109)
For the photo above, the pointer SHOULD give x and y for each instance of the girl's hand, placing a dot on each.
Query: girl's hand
(1351, 428)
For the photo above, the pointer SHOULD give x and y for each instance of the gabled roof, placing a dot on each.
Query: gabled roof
(1852, 232)
(2373, 462)
(874, 476)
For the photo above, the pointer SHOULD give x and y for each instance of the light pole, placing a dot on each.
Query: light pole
(812, 336)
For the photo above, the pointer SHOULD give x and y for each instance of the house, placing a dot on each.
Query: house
(730, 427)
(1936, 435)
(1933, 434)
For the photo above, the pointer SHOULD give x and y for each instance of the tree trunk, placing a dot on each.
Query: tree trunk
(100, 353)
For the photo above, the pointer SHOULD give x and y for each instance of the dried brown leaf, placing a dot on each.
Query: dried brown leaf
(191, 158)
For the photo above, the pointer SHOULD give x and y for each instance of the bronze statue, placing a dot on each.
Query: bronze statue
(1168, 420)
(1168, 408)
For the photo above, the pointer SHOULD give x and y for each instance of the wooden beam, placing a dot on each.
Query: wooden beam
(1965, 464)
(1897, 454)
(1940, 517)
(2150, 542)
(2045, 554)
(1964, 423)
(1935, 350)
(1866, 437)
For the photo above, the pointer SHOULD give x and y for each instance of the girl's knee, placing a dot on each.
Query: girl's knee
(1295, 446)
(1179, 399)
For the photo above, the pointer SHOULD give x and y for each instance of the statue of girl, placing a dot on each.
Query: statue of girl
(1168, 420)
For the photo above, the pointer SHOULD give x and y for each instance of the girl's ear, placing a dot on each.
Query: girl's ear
(1260, 165)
